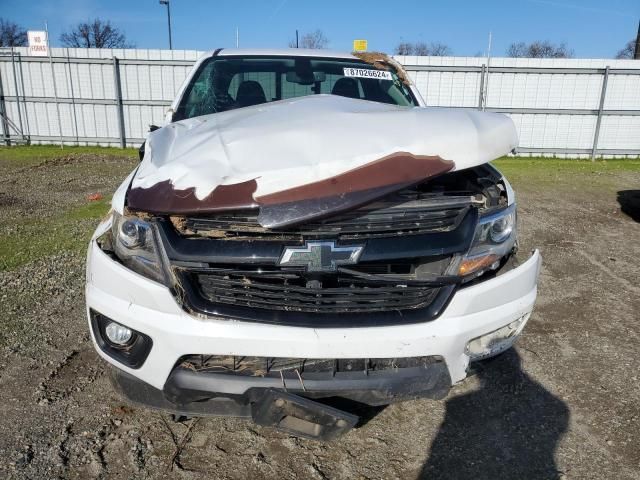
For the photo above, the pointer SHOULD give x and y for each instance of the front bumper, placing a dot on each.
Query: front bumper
(150, 308)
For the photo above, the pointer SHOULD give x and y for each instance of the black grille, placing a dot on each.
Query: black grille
(228, 264)
(377, 220)
(292, 291)
(277, 366)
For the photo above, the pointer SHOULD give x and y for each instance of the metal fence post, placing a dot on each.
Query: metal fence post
(24, 100)
(15, 83)
(55, 89)
(73, 98)
(481, 95)
(603, 94)
(119, 106)
(3, 115)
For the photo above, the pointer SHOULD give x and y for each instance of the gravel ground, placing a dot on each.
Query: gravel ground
(563, 404)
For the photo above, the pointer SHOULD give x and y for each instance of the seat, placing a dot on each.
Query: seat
(250, 93)
(346, 87)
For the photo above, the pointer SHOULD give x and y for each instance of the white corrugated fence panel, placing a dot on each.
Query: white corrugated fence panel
(77, 80)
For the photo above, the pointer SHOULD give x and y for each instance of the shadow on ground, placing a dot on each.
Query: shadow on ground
(629, 201)
(509, 428)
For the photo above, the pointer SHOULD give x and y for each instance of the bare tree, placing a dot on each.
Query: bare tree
(11, 34)
(405, 48)
(315, 39)
(95, 34)
(421, 49)
(517, 50)
(539, 49)
(438, 49)
(628, 51)
(434, 49)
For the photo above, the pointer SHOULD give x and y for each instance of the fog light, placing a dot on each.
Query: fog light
(123, 344)
(497, 341)
(118, 334)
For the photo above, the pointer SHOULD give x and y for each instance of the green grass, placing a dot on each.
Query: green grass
(519, 165)
(33, 239)
(32, 236)
(544, 172)
(34, 154)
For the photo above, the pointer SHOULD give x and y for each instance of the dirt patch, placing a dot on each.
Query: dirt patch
(563, 404)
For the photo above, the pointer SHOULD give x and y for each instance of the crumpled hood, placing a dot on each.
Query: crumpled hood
(308, 157)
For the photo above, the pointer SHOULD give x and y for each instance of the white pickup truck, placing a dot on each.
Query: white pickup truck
(304, 228)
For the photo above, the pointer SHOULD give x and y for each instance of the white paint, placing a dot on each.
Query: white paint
(303, 140)
(38, 45)
(148, 307)
(282, 52)
(119, 197)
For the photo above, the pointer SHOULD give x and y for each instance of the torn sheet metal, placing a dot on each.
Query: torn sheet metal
(382, 61)
(348, 190)
(306, 157)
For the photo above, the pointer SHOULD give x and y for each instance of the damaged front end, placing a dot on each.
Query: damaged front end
(395, 260)
(418, 247)
(301, 214)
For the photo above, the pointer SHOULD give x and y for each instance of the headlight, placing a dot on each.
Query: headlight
(135, 242)
(494, 238)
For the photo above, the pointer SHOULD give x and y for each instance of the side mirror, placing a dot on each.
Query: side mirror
(152, 128)
(141, 151)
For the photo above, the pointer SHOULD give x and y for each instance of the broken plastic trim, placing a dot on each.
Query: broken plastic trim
(435, 280)
(300, 416)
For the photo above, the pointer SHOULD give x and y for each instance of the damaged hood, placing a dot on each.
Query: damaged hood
(307, 157)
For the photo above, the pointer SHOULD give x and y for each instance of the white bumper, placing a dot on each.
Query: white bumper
(150, 308)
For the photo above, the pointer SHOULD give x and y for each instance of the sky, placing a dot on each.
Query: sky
(591, 28)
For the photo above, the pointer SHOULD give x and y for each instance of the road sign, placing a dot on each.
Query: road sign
(359, 45)
(38, 45)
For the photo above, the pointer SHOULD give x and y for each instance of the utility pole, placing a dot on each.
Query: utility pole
(166, 2)
(297, 44)
(636, 54)
(486, 82)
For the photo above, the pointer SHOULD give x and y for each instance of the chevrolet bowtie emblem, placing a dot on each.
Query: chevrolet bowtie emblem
(320, 256)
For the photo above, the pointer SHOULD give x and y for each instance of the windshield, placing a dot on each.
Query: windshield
(225, 83)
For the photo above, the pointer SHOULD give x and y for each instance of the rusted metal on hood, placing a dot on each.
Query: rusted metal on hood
(164, 198)
(401, 168)
(331, 195)
(348, 190)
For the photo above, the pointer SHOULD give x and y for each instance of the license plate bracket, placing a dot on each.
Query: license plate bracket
(300, 416)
